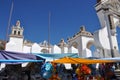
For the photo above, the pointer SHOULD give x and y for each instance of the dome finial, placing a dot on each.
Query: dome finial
(18, 23)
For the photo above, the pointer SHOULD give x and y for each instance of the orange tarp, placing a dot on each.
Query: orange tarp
(92, 61)
(80, 60)
(65, 60)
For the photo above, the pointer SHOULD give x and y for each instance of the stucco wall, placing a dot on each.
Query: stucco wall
(15, 44)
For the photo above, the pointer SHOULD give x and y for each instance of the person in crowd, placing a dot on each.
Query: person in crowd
(102, 70)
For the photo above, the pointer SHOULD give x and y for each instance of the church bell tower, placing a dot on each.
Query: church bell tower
(17, 31)
(16, 38)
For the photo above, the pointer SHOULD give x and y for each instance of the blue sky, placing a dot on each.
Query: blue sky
(66, 18)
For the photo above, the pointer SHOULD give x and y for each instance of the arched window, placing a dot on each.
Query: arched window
(14, 32)
(18, 32)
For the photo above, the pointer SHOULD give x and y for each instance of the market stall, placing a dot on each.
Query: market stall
(11, 65)
(84, 71)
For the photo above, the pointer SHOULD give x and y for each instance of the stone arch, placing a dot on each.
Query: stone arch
(74, 44)
(89, 44)
(44, 51)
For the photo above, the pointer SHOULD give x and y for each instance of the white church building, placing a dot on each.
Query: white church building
(104, 40)
(18, 44)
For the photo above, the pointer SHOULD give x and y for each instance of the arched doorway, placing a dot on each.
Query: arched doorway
(118, 36)
(90, 46)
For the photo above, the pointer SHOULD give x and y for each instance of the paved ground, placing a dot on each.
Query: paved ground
(117, 73)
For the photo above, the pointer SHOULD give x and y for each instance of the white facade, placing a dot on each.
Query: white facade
(18, 44)
(56, 49)
(73, 50)
(100, 40)
(35, 48)
(14, 43)
(87, 53)
(82, 41)
(106, 39)
(26, 49)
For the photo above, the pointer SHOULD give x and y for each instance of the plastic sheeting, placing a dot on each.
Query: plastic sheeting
(53, 56)
(81, 60)
(17, 57)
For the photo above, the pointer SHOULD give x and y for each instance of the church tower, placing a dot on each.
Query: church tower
(108, 12)
(16, 38)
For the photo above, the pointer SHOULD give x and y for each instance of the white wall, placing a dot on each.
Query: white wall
(65, 49)
(73, 50)
(56, 49)
(87, 53)
(35, 48)
(26, 49)
(101, 38)
(15, 44)
(10, 46)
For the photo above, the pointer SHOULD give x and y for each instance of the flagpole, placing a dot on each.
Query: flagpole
(9, 20)
(49, 32)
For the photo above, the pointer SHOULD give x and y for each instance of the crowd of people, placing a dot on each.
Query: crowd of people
(104, 71)
(53, 71)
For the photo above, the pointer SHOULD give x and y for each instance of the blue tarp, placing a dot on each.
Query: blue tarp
(113, 58)
(56, 56)
(17, 57)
